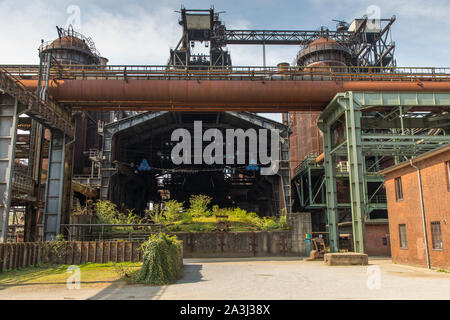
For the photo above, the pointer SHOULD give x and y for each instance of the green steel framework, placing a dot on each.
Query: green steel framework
(405, 124)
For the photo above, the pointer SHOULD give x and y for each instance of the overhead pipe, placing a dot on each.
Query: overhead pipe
(217, 94)
(320, 158)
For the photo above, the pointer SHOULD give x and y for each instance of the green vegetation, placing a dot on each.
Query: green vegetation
(107, 213)
(56, 250)
(161, 260)
(90, 273)
(199, 216)
(199, 206)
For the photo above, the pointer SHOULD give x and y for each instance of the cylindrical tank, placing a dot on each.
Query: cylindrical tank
(73, 48)
(283, 66)
(306, 137)
(324, 52)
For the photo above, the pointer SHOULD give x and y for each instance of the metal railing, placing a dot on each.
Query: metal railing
(142, 72)
(92, 232)
(49, 112)
(308, 161)
(88, 180)
(378, 199)
(22, 182)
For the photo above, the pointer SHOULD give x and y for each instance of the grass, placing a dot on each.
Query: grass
(443, 271)
(90, 273)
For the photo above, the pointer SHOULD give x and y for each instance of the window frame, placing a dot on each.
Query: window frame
(447, 165)
(400, 236)
(398, 189)
(435, 240)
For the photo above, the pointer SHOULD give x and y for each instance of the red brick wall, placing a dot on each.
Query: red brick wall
(408, 211)
(374, 240)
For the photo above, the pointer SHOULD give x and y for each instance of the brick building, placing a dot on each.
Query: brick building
(418, 194)
(376, 236)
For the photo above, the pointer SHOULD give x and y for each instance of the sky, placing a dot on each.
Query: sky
(141, 32)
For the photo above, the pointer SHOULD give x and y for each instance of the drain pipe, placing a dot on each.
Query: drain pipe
(422, 207)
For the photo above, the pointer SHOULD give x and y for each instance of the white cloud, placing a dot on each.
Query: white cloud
(134, 36)
(23, 27)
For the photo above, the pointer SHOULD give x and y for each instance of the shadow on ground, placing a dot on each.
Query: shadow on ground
(122, 290)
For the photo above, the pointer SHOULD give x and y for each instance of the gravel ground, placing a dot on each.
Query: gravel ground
(263, 278)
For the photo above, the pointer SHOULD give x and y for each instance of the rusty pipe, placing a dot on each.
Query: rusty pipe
(320, 158)
(170, 94)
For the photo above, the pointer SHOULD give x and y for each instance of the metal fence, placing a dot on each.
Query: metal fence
(93, 232)
(145, 72)
(26, 254)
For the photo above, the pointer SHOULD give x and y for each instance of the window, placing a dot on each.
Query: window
(402, 236)
(398, 189)
(448, 175)
(436, 235)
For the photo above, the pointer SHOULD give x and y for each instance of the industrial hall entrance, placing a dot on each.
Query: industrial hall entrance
(74, 127)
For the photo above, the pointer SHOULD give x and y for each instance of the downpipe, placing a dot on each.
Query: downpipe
(422, 207)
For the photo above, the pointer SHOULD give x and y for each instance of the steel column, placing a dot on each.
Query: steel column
(355, 165)
(331, 191)
(55, 183)
(285, 170)
(8, 131)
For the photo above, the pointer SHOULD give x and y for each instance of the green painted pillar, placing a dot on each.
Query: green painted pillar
(331, 192)
(356, 170)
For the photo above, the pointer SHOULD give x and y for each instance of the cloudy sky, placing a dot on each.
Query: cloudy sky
(143, 31)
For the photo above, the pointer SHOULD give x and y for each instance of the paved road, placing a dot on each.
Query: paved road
(263, 278)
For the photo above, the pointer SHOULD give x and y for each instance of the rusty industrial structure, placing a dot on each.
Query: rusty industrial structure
(348, 112)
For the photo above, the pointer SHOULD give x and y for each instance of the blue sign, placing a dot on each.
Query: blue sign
(144, 166)
(252, 167)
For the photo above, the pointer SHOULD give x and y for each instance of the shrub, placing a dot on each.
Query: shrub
(173, 210)
(129, 218)
(156, 215)
(282, 222)
(186, 217)
(55, 251)
(267, 224)
(161, 260)
(107, 212)
(199, 205)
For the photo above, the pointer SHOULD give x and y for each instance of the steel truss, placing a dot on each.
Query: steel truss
(398, 125)
(368, 46)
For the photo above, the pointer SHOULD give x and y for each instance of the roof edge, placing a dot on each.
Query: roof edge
(420, 158)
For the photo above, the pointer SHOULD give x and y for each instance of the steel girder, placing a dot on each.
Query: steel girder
(356, 171)
(55, 185)
(8, 132)
(361, 112)
(331, 189)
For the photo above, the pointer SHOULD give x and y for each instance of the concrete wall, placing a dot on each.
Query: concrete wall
(436, 196)
(249, 244)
